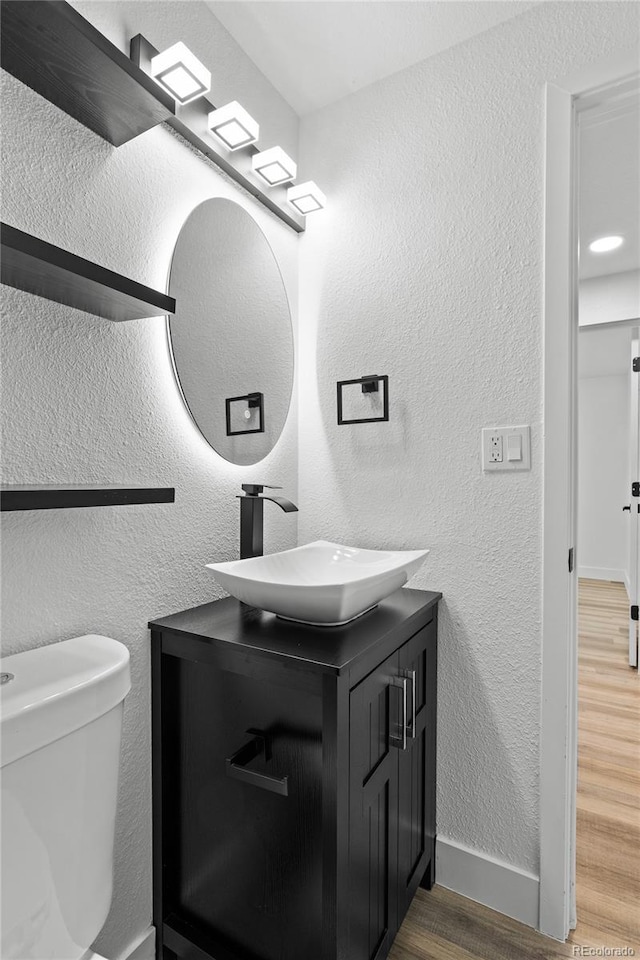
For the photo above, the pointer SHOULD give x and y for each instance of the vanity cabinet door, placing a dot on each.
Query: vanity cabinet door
(246, 779)
(416, 769)
(373, 794)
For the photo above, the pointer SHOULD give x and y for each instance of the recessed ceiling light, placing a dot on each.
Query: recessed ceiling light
(274, 166)
(233, 126)
(605, 244)
(181, 73)
(306, 197)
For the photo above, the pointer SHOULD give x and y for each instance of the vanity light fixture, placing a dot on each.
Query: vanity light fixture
(178, 71)
(233, 126)
(306, 197)
(605, 244)
(274, 166)
(181, 73)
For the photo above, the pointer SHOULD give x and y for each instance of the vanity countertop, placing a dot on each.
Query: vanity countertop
(332, 650)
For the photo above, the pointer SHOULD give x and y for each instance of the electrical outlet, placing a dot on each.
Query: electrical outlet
(506, 448)
(495, 448)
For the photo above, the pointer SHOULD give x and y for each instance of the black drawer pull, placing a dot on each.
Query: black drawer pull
(236, 766)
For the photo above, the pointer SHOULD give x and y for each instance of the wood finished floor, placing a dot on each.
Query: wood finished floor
(608, 815)
(441, 925)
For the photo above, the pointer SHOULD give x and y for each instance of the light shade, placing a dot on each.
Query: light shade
(605, 244)
(233, 126)
(274, 166)
(306, 197)
(181, 73)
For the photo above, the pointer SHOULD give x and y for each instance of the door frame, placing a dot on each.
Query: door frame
(633, 559)
(558, 721)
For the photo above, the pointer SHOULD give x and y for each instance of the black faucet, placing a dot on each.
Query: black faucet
(252, 517)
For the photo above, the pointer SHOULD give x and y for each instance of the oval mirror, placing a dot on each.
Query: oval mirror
(231, 335)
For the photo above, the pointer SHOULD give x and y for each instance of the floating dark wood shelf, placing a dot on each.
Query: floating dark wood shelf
(38, 267)
(52, 497)
(51, 48)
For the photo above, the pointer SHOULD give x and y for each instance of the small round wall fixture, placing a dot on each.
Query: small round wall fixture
(606, 244)
(231, 337)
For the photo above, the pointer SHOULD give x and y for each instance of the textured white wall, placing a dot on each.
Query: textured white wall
(85, 399)
(427, 266)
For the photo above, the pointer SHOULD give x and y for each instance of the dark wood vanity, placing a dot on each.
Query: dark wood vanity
(293, 780)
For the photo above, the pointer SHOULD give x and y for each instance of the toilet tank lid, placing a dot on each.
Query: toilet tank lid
(57, 689)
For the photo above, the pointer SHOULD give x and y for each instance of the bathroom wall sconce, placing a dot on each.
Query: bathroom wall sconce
(181, 73)
(245, 414)
(207, 127)
(365, 400)
(306, 197)
(233, 126)
(274, 166)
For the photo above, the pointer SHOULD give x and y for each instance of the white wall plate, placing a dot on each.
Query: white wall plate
(506, 449)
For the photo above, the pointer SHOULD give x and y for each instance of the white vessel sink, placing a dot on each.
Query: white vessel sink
(322, 583)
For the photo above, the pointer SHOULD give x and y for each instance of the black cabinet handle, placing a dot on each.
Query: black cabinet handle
(628, 507)
(401, 741)
(236, 766)
(412, 676)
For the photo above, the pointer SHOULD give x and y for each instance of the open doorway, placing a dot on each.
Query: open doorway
(565, 97)
(607, 880)
(606, 424)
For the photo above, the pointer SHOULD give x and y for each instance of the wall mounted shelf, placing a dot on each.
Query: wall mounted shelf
(55, 497)
(38, 267)
(51, 48)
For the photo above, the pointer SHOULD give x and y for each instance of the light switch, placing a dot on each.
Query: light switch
(506, 449)
(514, 446)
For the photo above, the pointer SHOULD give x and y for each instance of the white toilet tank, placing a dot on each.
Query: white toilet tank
(60, 727)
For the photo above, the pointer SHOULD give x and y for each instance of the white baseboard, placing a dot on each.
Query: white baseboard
(602, 573)
(468, 872)
(486, 880)
(142, 948)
